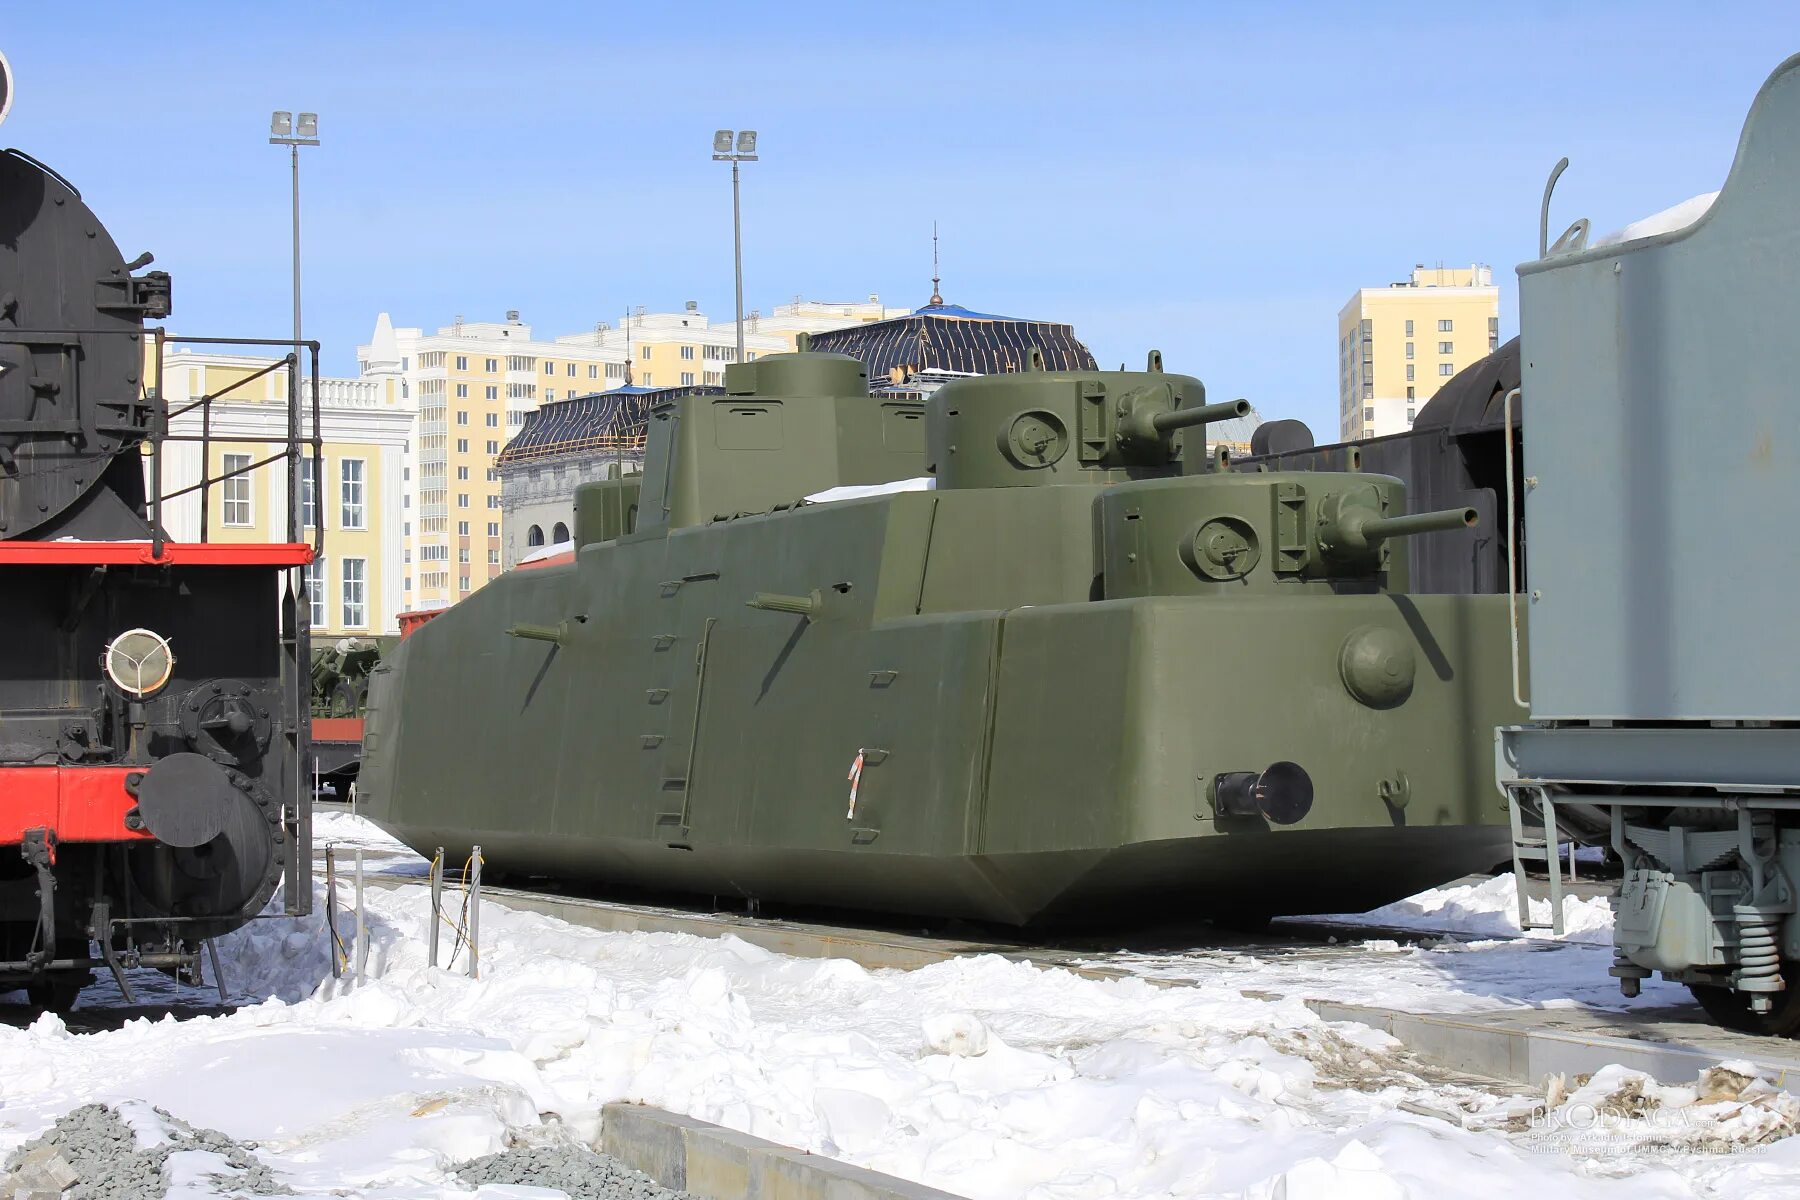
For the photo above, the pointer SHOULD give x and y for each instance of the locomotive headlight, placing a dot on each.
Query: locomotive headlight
(138, 661)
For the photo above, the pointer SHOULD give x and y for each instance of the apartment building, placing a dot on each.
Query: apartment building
(1398, 344)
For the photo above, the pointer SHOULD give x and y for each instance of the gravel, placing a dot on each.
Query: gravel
(581, 1173)
(103, 1152)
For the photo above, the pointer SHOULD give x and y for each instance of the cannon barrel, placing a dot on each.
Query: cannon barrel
(1377, 528)
(1182, 418)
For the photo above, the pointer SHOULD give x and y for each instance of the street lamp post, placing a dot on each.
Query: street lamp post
(285, 131)
(745, 152)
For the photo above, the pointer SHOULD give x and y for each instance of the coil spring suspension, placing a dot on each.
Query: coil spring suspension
(1759, 955)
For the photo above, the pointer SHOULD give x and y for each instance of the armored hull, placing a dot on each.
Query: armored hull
(1022, 702)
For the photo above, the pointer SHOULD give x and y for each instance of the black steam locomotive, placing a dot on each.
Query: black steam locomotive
(152, 690)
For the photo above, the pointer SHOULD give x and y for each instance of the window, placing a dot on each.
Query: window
(236, 490)
(1368, 414)
(750, 356)
(687, 379)
(355, 610)
(1446, 347)
(462, 445)
(1409, 371)
(549, 368)
(462, 362)
(1493, 333)
(560, 533)
(647, 379)
(1446, 325)
(549, 395)
(493, 502)
(493, 558)
(309, 493)
(462, 529)
(493, 447)
(493, 420)
(534, 536)
(462, 416)
(1446, 369)
(593, 371)
(517, 418)
(462, 472)
(350, 493)
(462, 391)
(406, 364)
(315, 593)
(493, 393)
(409, 583)
(464, 586)
(493, 529)
(571, 370)
(493, 364)
(462, 499)
(687, 352)
(1409, 393)
(1409, 416)
(644, 353)
(1409, 349)
(493, 475)
(462, 554)
(1409, 328)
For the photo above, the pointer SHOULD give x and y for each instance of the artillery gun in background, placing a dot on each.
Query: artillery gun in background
(1665, 703)
(340, 691)
(1077, 675)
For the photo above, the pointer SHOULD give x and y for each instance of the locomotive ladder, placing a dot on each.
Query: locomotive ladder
(1536, 846)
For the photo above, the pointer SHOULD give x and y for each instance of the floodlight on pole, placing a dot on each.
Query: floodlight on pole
(745, 152)
(284, 133)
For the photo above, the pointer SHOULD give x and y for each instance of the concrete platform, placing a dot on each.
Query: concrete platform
(1509, 1046)
(722, 1164)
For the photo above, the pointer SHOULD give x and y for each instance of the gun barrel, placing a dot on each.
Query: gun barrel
(1377, 528)
(1182, 418)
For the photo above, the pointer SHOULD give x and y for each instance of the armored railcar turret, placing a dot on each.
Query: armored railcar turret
(1022, 657)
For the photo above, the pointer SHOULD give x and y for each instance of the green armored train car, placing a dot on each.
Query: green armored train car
(1069, 671)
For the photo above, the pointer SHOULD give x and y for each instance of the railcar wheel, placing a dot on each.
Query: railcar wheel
(1732, 1009)
(58, 993)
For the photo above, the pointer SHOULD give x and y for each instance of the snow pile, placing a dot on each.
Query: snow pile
(1489, 909)
(349, 831)
(1726, 1108)
(1678, 216)
(982, 1076)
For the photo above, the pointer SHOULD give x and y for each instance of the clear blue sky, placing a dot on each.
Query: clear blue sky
(1210, 179)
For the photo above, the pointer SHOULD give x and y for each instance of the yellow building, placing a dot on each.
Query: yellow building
(1398, 344)
(471, 384)
(356, 487)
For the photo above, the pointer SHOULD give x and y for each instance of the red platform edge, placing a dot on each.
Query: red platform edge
(76, 804)
(129, 554)
(337, 729)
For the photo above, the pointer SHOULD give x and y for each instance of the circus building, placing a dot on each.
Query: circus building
(562, 445)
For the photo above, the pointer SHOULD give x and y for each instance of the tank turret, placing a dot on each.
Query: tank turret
(1047, 427)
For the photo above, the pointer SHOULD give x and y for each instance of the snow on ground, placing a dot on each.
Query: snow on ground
(982, 1076)
(1481, 960)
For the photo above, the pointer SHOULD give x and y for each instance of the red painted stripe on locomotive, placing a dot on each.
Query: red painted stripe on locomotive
(76, 804)
(125, 554)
